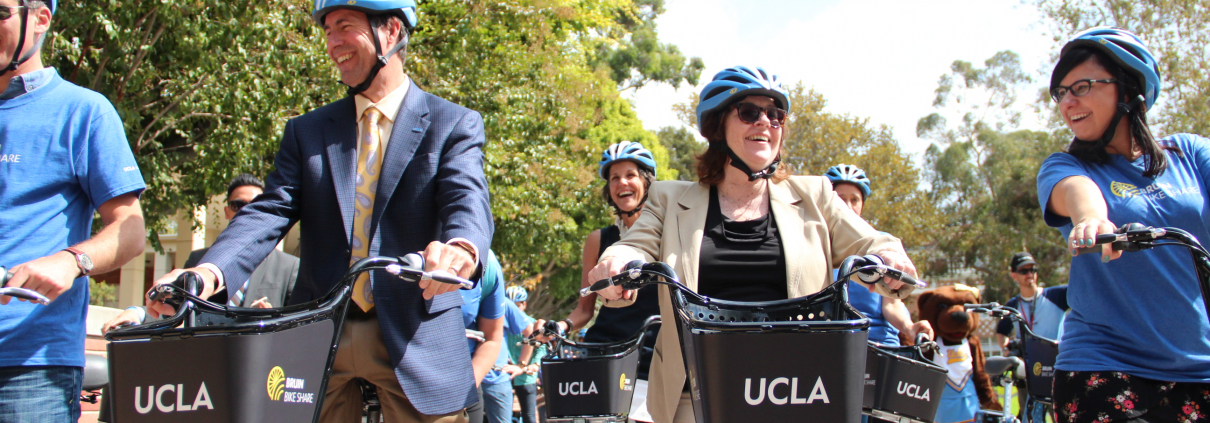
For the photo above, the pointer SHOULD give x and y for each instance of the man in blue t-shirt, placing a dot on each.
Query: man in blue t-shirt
(485, 308)
(63, 157)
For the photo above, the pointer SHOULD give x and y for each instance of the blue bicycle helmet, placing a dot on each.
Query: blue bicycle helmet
(406, 9)
(733, 84)
(850, 174)
(1127, 50)
(626, 150)
(516, 294)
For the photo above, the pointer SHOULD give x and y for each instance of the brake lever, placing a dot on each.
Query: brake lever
(25, 294)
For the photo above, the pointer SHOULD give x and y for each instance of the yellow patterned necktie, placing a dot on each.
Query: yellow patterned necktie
(369, 163)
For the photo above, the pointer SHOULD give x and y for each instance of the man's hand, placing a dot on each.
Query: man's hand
(445, 257)
(157, 308)
(513, 371)
(261, 303)
(127, 318)
(50, 276)
(538, 326)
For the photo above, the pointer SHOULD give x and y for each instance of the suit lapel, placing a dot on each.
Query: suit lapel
(691, 221)
(411, 124)
(341, 137)
(784, 202)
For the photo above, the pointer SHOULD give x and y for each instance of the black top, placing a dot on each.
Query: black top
(741, 261)
(619, 324)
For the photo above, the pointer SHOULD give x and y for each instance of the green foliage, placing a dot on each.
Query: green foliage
(817, 140)
(203, 87)
(101, 293)
(1177, 32)
(983, 178)
(683, 148)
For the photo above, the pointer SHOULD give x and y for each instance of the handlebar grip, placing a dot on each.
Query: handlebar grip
(25, 294)
(445, 277)
(3, 276)
(904, 277)
(596, 286)
(1101, 239)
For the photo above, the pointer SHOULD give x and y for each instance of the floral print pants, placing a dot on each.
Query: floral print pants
(1119, 397)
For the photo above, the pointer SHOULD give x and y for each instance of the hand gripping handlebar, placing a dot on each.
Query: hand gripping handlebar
(22, 293)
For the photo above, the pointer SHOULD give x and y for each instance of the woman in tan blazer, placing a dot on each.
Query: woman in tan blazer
(737, 234)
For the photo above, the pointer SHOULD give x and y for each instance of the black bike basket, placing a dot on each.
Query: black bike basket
(777, 361)
(1040, 355)
(591, 382)
(247, 366)
(900, 382)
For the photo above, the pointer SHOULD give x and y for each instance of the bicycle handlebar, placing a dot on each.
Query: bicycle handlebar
(1130, 237)
(22, 293)
(637, 274)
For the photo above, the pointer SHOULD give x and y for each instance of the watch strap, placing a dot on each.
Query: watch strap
(84, 271)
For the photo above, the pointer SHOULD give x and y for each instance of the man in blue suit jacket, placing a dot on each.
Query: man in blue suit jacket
(431, 195)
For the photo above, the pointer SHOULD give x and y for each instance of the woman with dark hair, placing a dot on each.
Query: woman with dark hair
(736, 233)
(1136, 344)
(628, 170)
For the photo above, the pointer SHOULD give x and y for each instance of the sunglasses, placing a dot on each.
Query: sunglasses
(235, 205)
(750, 113)
(7, 12)
(1078, 88)
(1024, 272)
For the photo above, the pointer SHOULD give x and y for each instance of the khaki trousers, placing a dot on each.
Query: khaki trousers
(361, 354)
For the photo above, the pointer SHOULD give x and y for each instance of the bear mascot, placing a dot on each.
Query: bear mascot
(967, 387)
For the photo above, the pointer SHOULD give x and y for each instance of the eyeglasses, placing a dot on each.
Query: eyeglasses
(235, 205)
(7, 12)
(1078, 88)
(1024, 272)
(750, 113)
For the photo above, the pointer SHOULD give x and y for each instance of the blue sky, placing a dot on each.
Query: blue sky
(876, 59)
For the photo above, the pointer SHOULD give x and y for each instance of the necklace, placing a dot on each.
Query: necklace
(741, 213)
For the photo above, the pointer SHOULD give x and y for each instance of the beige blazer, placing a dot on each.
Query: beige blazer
(817, 232)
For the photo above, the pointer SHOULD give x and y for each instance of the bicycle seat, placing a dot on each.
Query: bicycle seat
(999, 365)
(96, 372)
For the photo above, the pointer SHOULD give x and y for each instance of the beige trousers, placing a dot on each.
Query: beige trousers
(361, 354)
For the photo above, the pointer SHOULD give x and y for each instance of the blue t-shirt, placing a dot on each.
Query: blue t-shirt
(63, 153)
(1044, 314)
(870, 304)
(488, 305)
(1143, 313)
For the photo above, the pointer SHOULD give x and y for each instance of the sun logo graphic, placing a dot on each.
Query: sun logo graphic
(276, 383)
(1037, 369)
(1123, 190)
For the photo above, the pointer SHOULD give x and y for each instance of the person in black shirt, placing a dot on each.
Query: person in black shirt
(629, 170)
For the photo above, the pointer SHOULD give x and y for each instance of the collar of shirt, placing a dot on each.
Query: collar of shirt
(389, 107)
(25, 83)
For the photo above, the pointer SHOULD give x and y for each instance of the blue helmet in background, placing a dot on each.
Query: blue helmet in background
(626, 150)
(405, 9)
(1127, 51)
(733, 84)
(516, 294)
(850, 174)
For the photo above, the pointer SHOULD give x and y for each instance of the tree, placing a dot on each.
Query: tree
(205, 87)
(683, 148)
(983, 177)
(635, 57)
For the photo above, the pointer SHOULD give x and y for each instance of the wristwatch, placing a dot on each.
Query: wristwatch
(82, 260)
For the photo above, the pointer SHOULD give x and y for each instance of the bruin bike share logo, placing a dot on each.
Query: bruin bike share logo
(625, 384)
(818, 393)
(913, 390)
(577, 388)
(155, 399)
(281, 388)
